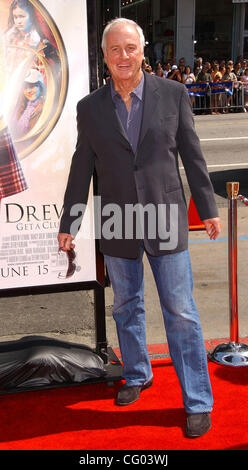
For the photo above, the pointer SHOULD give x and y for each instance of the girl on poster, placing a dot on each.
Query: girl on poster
(30, 105)
(25, 39)
(12, 180)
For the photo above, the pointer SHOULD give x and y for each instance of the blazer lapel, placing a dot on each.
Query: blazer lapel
(111, 118)
(151, 99)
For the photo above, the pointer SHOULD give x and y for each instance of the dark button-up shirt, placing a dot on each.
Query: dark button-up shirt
(130, 120)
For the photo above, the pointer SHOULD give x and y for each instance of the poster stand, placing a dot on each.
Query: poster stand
(28, 362)
(111, 366)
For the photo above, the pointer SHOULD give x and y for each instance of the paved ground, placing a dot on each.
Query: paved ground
(70, 316)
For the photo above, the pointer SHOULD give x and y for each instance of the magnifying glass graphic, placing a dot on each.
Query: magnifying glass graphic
(71, 255)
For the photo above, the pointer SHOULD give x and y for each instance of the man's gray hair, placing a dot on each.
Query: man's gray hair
(117, 21)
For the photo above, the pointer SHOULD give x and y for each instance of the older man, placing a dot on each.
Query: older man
(131, 130)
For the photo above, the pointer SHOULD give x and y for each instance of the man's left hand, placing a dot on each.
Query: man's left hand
(213, 227)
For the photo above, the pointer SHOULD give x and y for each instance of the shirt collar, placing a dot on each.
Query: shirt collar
(138, 90)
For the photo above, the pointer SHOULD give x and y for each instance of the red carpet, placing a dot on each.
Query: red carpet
(85, 417)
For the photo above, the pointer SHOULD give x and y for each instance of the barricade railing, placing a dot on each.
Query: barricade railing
(217, 96)
(199, 96)
(233, 353)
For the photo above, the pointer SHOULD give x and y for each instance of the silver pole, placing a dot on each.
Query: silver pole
(232, 353)
(232, 191)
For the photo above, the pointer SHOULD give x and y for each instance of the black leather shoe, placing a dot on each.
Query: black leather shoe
(198, 424)
(128, 395)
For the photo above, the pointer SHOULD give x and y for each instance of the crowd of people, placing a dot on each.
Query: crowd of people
(204, 72)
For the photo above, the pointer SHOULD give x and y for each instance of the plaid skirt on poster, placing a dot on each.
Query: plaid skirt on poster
(12, 180)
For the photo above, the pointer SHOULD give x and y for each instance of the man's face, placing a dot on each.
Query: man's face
(123, 54)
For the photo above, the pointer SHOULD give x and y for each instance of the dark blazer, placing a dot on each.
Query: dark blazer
(151, 176)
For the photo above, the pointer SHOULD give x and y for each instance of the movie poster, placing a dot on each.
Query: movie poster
(43, 74)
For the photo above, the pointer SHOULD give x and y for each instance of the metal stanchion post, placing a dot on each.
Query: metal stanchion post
(232, 353)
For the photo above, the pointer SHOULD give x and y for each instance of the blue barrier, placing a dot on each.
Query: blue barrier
(215, 96)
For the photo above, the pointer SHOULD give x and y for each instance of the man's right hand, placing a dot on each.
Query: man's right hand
(65, 241)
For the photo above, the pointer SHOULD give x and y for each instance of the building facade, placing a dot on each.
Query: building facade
(186, 28)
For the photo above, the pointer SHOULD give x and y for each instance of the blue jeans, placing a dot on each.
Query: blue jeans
(174, 281)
